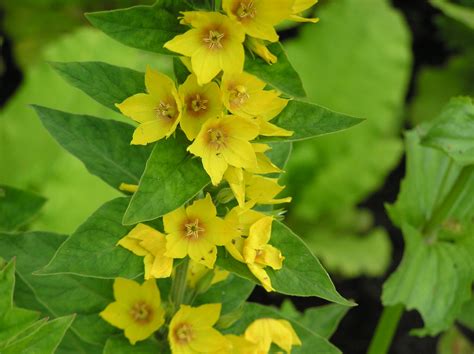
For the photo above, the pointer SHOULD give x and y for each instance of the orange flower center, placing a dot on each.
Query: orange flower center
(246, 10)
(213, 39)
(217, 138)
(166, 110)
(183, 333)
(193, 230)
(141, 312)
(197, 104)
(238, 96)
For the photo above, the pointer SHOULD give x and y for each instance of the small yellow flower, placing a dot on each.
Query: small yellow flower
(265, 331)
(137, 309)
(224, 141)
(197, 271)
(298, 7)
(259, 16)
(244, 95)
(258, 254)
(147, 242)
(131, 188)
(195, 231)
(214, 43)
(191, 330)
(200, 104)
(157, 111)
(258, 47)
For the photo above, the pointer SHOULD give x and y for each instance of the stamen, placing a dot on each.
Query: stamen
(165, 110)
(216, 137)
(246, 10)
(213, 40)
(199, 104)
(183, 333)
(238, 95)
(193, 229)
(141, 312)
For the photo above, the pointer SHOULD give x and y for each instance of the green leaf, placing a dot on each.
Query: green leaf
(281, 75)
(107, 84)
(454, 342)
(434, 277)
(302, 273)
(312, 342)
(467, 314)
(180, 71)
(44, 341)
(460, 13)
(231, 293)
(92, 249)
(61, 295)
(102, 145)
(453, 131)
(71, 344)
(171, 178)
(280, 153)
(121, 345)
(17, 207)
(142, 27)
(308, 120)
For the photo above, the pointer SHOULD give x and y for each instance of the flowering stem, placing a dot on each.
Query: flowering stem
(385, 330)
(178, 288)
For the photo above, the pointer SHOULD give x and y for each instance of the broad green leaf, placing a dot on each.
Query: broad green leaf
(322, 320)
(180, 71)
(281, 75)
(308, 120)
(121, 345)
(467, 314)
(231, 292)
(102, 145)
(71, 344)
(44, 341)
(107, 84)
(13, 320)
(17, 207)
(460, 13)
(302, 273)
(454, 342)
(312, 342)
(453, 131)
(434, 277)
(171, 178)
(142, 27)
(280, 153)
(61, 295)
(92, 249)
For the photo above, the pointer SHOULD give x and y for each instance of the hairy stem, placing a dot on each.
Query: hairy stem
(178, 287)
(386, 329)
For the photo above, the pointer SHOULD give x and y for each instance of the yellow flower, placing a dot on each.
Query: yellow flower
(298, 7)
(258, 47)
(244, 95)
(157, 111)
(238, 345)
(191, 331)
(197, 271)
(259, 16)
(265, 331)
(147, 242)
(258, 254)
(200, 104)
(214, 43)
(137, 309)
(195, 231)
(224, 141)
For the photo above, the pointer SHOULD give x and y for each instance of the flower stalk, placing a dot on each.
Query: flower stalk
(178, 287)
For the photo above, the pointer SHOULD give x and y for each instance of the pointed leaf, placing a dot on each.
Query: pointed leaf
(102, 145)
(171, 178)
(121, 345)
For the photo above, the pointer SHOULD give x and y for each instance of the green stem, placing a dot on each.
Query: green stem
(386, 329)
(178, 288)
(445, 208)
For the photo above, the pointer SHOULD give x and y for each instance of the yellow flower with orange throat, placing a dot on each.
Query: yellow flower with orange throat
(137, 309)
(214, 43)
(157, 111)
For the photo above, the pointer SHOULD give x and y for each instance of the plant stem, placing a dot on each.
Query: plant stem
(385, 330)
(178, 287)
(444, 209)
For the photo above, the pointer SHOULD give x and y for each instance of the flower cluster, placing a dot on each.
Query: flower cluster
(139, 312)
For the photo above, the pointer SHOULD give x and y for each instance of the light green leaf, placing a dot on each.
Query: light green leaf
(180, 71)
(467, 314)
(61, 295)
(107, 84)
(308, 120)
(121, 345)
(171, 178)
(302, 273)
(434, 277)
(142, 27)
(71, 344)
(281, 75)
(17, 207)
(44, 341)
(280, 153)
(312, 342)
(460, 13)
(453, 131)
(92, 249)
(102, 145)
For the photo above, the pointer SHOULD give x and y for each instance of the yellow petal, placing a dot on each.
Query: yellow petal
(202, 209)
(174, 221)
(258, 47)
(270, 256)
(206, 65)
(221, 232)
(186, 44)
(302, 5)
(297, 18)
(269, 129)
(260, 232)
(261, 275)
(235, 248)
(207, 340)
(205, 315)
(152, 131)
(176, 246)
(126, 291)
(125, 187)
(235, 177)
(203, 252)
(139, 107)
(117, 314)
(158, 85)
(161, 266)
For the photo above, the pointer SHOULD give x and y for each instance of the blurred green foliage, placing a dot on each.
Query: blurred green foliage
(356, 60)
